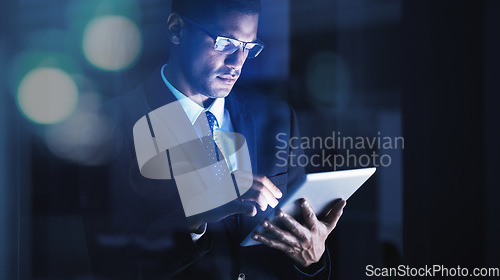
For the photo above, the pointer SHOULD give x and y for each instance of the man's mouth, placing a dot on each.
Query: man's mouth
(228, 78)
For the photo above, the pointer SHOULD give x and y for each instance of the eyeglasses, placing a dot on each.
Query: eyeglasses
(227, 45)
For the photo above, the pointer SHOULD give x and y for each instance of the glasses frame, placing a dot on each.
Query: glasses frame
(217, 38)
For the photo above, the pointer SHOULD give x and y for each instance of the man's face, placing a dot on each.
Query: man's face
(206, 71)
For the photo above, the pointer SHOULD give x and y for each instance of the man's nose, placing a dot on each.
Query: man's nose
(237, 59)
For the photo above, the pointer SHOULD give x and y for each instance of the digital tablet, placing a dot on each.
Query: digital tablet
(320, 189)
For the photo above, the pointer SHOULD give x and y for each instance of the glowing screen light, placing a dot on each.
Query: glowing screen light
(112, 42)
(47, 95)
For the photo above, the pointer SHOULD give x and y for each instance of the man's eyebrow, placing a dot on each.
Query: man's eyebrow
(254, 40)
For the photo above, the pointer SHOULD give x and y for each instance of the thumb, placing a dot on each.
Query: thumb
(334, 214)
(243, 207)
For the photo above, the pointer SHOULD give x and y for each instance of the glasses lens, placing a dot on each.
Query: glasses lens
(226, 45)
(229, 46)
(254, 49)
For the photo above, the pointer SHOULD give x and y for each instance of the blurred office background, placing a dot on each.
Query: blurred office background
(423, 70)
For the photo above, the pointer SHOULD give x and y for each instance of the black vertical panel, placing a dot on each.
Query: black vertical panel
(443, 100)
(11, 225)
(492, 131)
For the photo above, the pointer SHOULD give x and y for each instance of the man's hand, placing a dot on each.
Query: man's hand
(305, 244)
(262, 193)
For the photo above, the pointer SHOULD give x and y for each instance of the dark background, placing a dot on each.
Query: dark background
(424, 70)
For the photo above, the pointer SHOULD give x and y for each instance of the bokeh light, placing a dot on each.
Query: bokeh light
(84, 137)
(47, 95)
(112, 42)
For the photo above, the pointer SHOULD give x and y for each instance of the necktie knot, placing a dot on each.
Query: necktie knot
(212, 124)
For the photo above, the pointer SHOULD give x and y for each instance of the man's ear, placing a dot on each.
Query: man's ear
(174, 27)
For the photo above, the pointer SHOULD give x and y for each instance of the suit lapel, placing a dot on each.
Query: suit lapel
(169, 116)
(244, 123)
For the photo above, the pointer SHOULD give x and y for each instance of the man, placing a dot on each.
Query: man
(143, 233)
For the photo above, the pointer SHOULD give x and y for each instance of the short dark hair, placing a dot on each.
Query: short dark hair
(205, 9)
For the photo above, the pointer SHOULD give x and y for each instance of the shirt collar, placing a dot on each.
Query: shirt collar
(192, 109)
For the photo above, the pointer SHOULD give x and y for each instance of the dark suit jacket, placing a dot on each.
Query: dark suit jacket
(136, 227)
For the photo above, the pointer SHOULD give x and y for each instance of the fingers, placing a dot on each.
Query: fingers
(310, 218)
(281, 235)
(333, 216)
(295, 227)
(261, 179)
(263, 192)
(267, 198)
(260, 196)
(271, 187)
(274, 243)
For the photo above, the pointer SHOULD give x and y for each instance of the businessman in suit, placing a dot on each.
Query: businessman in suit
(144, 232)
